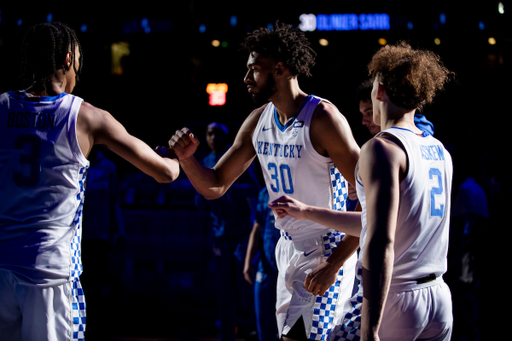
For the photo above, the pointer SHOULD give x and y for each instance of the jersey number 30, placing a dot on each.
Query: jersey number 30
(281, 177)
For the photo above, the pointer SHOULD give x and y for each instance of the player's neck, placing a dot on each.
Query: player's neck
(54, 87)
(288, 100)
(403, 119)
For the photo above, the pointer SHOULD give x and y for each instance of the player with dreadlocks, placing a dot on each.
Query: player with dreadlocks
(46, 135)
(301, 141)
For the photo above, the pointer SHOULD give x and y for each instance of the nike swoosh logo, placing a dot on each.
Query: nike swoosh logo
(265, 129)
(308, 253)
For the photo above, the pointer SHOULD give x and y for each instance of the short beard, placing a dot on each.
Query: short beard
(264, 95)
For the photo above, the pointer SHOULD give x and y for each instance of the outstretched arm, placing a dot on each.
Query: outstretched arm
(347, 222)
(96, 126)
(212, 183)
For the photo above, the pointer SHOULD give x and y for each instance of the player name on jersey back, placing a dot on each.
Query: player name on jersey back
(31, 120)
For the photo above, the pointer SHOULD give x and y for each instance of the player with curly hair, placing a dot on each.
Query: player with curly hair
(404, 179)
(303, 144)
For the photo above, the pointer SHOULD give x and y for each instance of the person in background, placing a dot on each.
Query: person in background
(261, 251)
(231, 221)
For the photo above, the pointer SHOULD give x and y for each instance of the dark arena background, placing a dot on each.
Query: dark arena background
(150, 64)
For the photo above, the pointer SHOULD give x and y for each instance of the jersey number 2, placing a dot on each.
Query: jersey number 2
(436, 191)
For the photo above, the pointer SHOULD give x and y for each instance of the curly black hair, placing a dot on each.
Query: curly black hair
(412, 77)
(283, 44)
(43, 51)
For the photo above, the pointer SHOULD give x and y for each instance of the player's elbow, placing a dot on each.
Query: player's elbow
(214, 192)
(212, 195)
(169, 174)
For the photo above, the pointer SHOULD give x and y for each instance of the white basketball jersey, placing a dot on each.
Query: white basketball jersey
(293, 167)
(43, 172)
(421, 238)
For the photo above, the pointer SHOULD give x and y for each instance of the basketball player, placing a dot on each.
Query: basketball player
(404, 179)
(46, 135)
(364, 100)
(301, 141)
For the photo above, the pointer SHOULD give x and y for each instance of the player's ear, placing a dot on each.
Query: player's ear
(381, 91)
(279, 69)
(68, 60)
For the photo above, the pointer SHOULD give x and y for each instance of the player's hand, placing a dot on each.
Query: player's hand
(352, 192)
(165, 152)
(184, 143)
(287, 206)
(249, 273)
(320, 279)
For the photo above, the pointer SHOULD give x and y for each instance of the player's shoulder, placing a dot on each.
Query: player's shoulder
(92, 116)
(256, 113)
(327, 115)
(383, 148)
(252, 120)
(326, 111)
(91, 111)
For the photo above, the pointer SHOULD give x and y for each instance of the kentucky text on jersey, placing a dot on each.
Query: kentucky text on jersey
(434, 152)
(281, 150)
(32, 120)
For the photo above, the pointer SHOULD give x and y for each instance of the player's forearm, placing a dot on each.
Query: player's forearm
(173, 169)
(345, 249)
(347, 222)
(203, 179)
(253, 244)
(377, 271)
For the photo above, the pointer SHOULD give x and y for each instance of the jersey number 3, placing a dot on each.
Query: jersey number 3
(27, 173)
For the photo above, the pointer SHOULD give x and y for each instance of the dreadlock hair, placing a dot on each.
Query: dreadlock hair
(282, 44)
(411, 77)
(44, 50)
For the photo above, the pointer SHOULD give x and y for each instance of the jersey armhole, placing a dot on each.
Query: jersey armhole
(398, 142)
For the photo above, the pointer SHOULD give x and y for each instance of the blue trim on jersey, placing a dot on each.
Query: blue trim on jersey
(22, 96)
(290, 122)
(423, 133)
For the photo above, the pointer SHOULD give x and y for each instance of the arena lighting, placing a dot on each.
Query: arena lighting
(442, 18)
(217, 92)
(215, 43)
(437, 41)
(382, 41)
(323, 42)
(491, 41)
(344, 22)
(501, 8)
(118, 51)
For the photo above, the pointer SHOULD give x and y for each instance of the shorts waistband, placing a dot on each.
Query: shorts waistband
(299, 237)
(412, 284)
